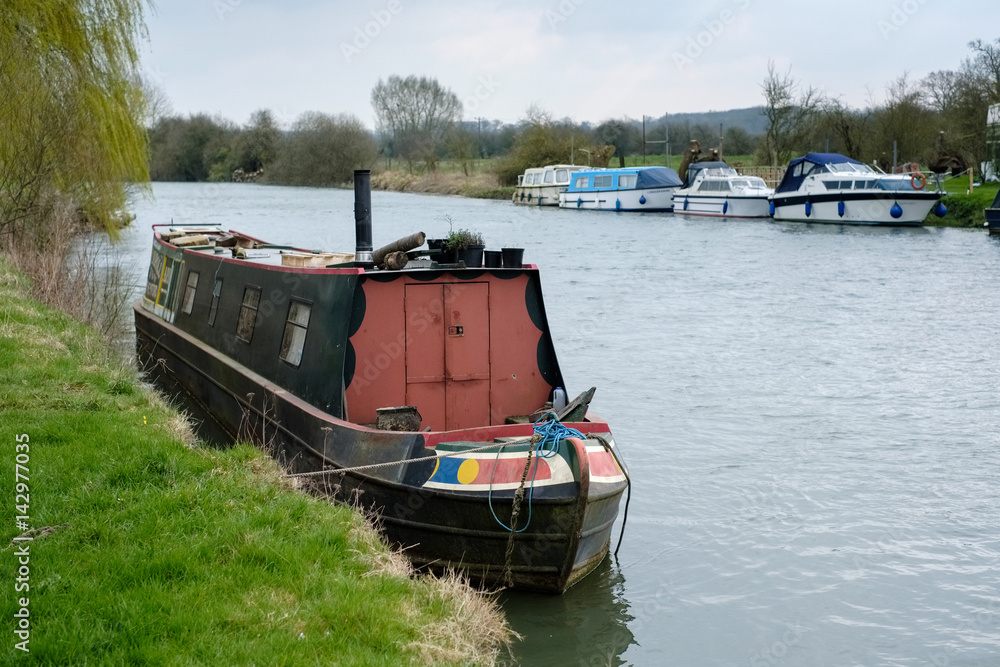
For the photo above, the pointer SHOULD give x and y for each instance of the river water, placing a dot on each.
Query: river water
(809, 413)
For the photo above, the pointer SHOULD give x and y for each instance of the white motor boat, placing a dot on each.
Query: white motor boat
(832, 188)
(540, 186)
(715, 188)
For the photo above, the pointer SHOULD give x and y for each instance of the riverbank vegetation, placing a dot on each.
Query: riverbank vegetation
(938, 121)
(149, 548)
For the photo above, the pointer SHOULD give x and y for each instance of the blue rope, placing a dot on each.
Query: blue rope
(553, 432)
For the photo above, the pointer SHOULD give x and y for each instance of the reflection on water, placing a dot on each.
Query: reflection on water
(564, 630)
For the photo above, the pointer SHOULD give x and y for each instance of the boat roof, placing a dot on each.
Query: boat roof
(648, 177)
(791, 182)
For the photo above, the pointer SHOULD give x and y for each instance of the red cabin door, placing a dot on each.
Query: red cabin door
(448, 354)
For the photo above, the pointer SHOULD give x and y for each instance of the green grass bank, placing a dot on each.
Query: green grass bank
(161, 551)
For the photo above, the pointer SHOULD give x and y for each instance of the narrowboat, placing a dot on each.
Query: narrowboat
(540, 186)
(832, 188)
(716, 189)
(623, 189)
(428, 394)
(993, 216)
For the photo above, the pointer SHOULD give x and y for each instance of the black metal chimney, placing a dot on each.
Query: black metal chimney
(363, 218)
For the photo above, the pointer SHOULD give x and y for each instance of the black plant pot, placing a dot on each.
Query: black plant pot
(492, 259)
(513, 258)
(472, 256)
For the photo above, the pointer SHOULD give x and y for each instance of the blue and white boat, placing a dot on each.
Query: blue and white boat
(715, 188)
(833, 188)
(625, 189)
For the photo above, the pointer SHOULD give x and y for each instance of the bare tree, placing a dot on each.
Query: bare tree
(789, 114)
(414, 115)
(986, 59)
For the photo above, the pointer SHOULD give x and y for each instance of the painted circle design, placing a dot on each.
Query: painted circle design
(467, 471)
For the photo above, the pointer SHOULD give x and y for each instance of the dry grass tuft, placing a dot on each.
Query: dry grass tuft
(475, 632)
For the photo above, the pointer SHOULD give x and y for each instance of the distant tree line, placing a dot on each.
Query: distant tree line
(419, 125)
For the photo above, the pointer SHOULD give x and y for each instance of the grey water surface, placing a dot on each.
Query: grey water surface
(809, 413)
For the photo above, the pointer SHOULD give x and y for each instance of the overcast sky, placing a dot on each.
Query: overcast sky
(588, 60)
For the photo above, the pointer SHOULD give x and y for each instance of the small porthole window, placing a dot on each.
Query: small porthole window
(189, 292)
(294, 338)
(248, 314)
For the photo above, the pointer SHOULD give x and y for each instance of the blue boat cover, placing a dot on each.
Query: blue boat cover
(791, 183)
(657, 177)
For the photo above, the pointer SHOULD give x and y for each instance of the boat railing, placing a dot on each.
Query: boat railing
(771, 175)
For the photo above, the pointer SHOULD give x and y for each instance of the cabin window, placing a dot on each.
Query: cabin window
(627, 180)
(797, 170)
(189, 292)
(216, 293)
(708, 186)
(294, 337)
(248, 314)
(724, 186)
(153, 277)
(550, 177)
(520, 179)
(581, 182)
(603, 181)
(562, 175)
(168, 272)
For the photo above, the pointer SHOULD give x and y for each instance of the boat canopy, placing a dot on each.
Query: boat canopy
(801, 167)
(695, 167)
(657, 177)
(996, 202)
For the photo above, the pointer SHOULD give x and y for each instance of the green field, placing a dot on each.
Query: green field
(166, 552)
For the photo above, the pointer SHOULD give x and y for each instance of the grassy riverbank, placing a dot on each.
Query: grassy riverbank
(165, 552)
(449, 179)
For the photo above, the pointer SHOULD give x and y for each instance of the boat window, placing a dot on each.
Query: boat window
(832, 185)
(708, 186)
(294, 337)
(581, 182)
(741, 184)
(550, 177)
(562, 176)
(895, 184)
(153, 277)
(603, 181)
(627, 180)
(189, 292)
(520, 179)
(797, 170)
(248, 314)
(216, 293)
(724, 186)
(168, 272)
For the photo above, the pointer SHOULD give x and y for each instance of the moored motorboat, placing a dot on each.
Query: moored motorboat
(716, 189)
(540, 186)
(832, 188)
(421, 394)
(623, 189)
(993, 216)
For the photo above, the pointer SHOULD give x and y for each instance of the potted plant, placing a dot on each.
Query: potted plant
(468, 247)
(512, 257)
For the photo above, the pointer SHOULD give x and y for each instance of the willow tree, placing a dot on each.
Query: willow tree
(70, 109)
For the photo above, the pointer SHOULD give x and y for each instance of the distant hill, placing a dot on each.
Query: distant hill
(751, 119)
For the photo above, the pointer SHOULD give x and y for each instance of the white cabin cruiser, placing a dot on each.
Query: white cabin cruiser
(833, 188)
(715, 188)
(540, 186)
